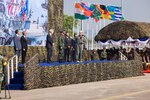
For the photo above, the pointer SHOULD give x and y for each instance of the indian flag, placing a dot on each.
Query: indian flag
(80, 12)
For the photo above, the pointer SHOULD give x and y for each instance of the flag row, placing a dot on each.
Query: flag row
(97, 12)
(18, 8)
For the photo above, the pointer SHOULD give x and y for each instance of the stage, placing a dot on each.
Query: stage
(42, 75)
(44, 64)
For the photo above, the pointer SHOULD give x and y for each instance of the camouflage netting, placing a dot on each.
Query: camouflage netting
(55, 18)
(42, 77)
(42, 53)
(32, 50)
(122, 30)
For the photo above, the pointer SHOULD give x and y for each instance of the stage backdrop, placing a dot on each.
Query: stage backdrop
(24, 15)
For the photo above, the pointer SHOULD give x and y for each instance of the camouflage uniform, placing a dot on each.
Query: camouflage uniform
(1, 71)
(104, 55)
(93, 55)
(81, 41)
(61, 45)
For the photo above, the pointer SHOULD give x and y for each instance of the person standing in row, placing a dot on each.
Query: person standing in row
(24, 45)
(104, 54)
(67, 47)
(81, 44)
(61, 46)
(17, 43)
(49, 45)
(74, 48)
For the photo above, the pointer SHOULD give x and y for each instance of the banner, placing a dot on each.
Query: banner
(22, 15)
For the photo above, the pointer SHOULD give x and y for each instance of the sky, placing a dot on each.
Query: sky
(133, 10)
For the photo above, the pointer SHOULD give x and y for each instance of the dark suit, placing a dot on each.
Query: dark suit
(67, 49)
(49, 47)
(24, 45)
(17, 45)
(74, 49)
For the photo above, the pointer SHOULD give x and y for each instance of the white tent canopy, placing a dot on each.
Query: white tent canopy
(130, 39)
(130, 42)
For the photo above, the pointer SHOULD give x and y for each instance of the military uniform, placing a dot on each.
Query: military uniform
(93, 55)
(61, 45)
(3, 62)
(81, 41)
(104, 55)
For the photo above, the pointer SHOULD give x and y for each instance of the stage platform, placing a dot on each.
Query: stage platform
(44, 64)
(42, 75)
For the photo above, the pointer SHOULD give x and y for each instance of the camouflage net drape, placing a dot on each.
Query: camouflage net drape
(42, 77)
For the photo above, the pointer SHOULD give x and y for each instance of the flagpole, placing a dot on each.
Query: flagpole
(92, 37)
(104, 22)
(73, 27)
(81, 21)
(100, 24)
(92, 40)
(78, 28)
(96, 33)
(122, 7)
(88, 34)
(73, 23)
(88, 24)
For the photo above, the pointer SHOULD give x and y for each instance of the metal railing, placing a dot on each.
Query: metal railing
(122, 56)
(12, 67)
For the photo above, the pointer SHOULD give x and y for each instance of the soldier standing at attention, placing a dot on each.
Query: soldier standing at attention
(81, 43)
(61, 45)
(3, 63)
(104, 54)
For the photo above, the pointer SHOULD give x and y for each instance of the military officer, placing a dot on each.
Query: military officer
(61, 45)
(81, 41)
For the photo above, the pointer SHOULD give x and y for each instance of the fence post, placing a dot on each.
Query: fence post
(12, 68)
(8, 74)
(16, 63)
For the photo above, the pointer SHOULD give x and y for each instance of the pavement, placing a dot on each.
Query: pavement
(134, 88)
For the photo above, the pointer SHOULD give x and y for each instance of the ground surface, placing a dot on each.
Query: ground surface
(135, 88)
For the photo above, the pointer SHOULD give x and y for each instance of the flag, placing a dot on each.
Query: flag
(15, 8)
(104, 8)
(96, 14)
(10, 7)
(115, 12)
(100, 10)
(26, 7)
(87, 10)
(105, 14)
(80, 12)
(23, 9)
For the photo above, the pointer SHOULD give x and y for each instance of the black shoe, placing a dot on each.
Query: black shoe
(49, 62)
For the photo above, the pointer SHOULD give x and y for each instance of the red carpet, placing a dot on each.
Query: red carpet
(147, 71)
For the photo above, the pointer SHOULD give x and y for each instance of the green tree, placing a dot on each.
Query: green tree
(68, 24)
